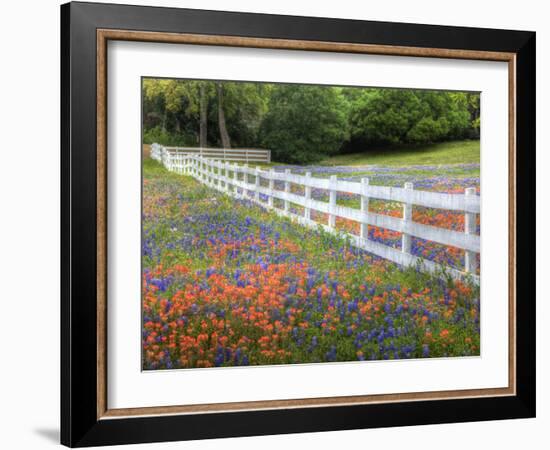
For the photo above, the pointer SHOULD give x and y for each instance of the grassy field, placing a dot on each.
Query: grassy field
(456, 152)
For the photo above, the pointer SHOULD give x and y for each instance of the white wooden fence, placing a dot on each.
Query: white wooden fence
(233, 179)
(245, 155)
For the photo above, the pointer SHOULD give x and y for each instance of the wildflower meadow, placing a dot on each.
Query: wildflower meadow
(226, 282)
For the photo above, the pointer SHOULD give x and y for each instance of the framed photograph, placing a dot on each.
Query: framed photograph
(276, 224)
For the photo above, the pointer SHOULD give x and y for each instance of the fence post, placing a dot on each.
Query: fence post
(406, 240)
(271, 186)
(212, 175)
(212, 164)
(307, 195)
(236, 178)
(257, 188)
(364, 208)
(215, 179)
(287, 189)
(245, 180)
(470, 263)
(226, 178)
(332, 202)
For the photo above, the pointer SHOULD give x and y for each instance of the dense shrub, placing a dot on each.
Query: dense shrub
(304, 123)
(160, 136)
(402, 116)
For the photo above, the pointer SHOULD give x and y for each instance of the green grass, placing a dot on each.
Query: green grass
(151, 167)
(456, 152)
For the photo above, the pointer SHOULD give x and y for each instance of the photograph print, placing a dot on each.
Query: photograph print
(300, 224)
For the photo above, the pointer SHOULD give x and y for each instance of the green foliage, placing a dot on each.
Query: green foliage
(403, 116)
(245, 105)
(157, 134)
(304, 123)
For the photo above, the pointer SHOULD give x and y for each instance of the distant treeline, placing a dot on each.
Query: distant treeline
(302, 123)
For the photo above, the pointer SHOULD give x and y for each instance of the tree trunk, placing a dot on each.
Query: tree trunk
(163, 123)
(226, 143)
(203, 116)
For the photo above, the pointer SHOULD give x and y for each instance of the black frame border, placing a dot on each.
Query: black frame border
(79, 423)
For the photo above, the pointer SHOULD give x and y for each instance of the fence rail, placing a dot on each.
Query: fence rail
(247, 155)
(233, 179)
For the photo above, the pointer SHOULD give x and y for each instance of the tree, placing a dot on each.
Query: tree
(155, 101)
(403, 116)
(304, 123)
(203, 125)
(240, 113)
(245, 106)
(473, 104)
(184, 102)
(224, 135)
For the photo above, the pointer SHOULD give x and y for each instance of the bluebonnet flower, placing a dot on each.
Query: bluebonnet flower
(331, 354)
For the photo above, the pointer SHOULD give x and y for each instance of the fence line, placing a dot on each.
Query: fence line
(247, 155)
(216, 174)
